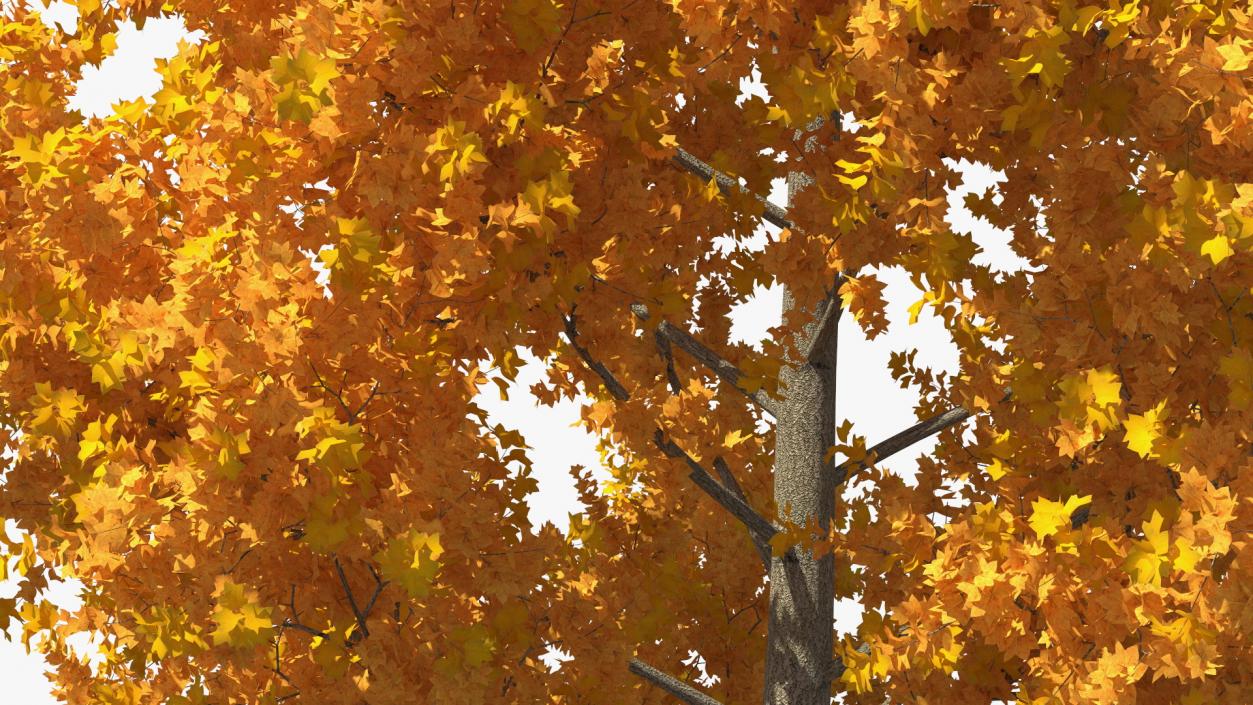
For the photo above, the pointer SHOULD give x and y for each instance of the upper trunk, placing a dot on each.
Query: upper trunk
(802, 588)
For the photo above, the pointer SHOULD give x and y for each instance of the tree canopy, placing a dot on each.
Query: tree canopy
(276, 488)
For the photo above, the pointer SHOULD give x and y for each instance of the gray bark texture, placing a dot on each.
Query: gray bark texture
(800, 666)
(800, 637)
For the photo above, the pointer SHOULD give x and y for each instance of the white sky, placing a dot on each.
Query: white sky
(866, 392)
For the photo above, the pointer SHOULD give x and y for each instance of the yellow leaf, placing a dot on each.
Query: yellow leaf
(241, 620)
(996, 469)
(1048, 517)
(331, 655)
(1148, 557)
(1090, 399)
(1085, 18)
(1238, 369)
(1235, 58)
(303, 81)
(853, 182)
(735, 438)
(1186, 555)
(915, 309)
(1105, 386)
(55, 411)
(711, 191)
(412, 561)
(1141, 430)
(108, 372)
(1217, 248)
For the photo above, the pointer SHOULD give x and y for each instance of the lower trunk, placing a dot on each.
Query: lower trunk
(799, 644)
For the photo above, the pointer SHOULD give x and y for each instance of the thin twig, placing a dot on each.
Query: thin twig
(552, 55)
(352, 601)
(723, 53)
(729, 481)
(352, 418)
(235, 565)
(338, 395)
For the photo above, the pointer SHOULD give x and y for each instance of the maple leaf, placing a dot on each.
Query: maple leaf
(1042, 56)
(54, 411)
(1237, 368)
(412, 561)
(1049, 517)
(531, 22)
(184, 404)
(1091, 404)
(863, 296)
(1140, 431)
(1148, 559)
(1236, 56)
(303, 81)
(240, 620)
(38, 156)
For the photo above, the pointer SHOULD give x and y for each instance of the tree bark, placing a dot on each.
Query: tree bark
(799, 643)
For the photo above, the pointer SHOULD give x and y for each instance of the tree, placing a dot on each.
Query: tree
(276, 493)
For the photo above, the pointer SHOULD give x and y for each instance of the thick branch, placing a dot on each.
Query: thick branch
(728, 479)
(670, 684)
(771, 214)
(886, 449)
(761, 529)
(824, 333)
(721, 367)
(663, 347)
(615, 387)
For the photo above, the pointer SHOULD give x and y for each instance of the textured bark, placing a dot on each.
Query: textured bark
(799, 642)
(799, 645)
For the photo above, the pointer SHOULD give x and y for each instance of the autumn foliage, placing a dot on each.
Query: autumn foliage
(280, 489)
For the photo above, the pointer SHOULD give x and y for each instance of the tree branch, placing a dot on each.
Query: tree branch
(901, 441)
(760, 528)
(293, 622)
(339, 397)
(357, 612)
(670, 684)
(729, 481)
(725, 371)
(772, 214)
(612, 384)
(352, 602)
(663, 347)
(820, 345)
(727, 493)
(289, 624)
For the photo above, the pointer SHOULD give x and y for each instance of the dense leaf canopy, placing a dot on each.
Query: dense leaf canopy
(275, 494)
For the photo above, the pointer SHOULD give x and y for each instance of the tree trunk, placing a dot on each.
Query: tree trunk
(799, 644)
